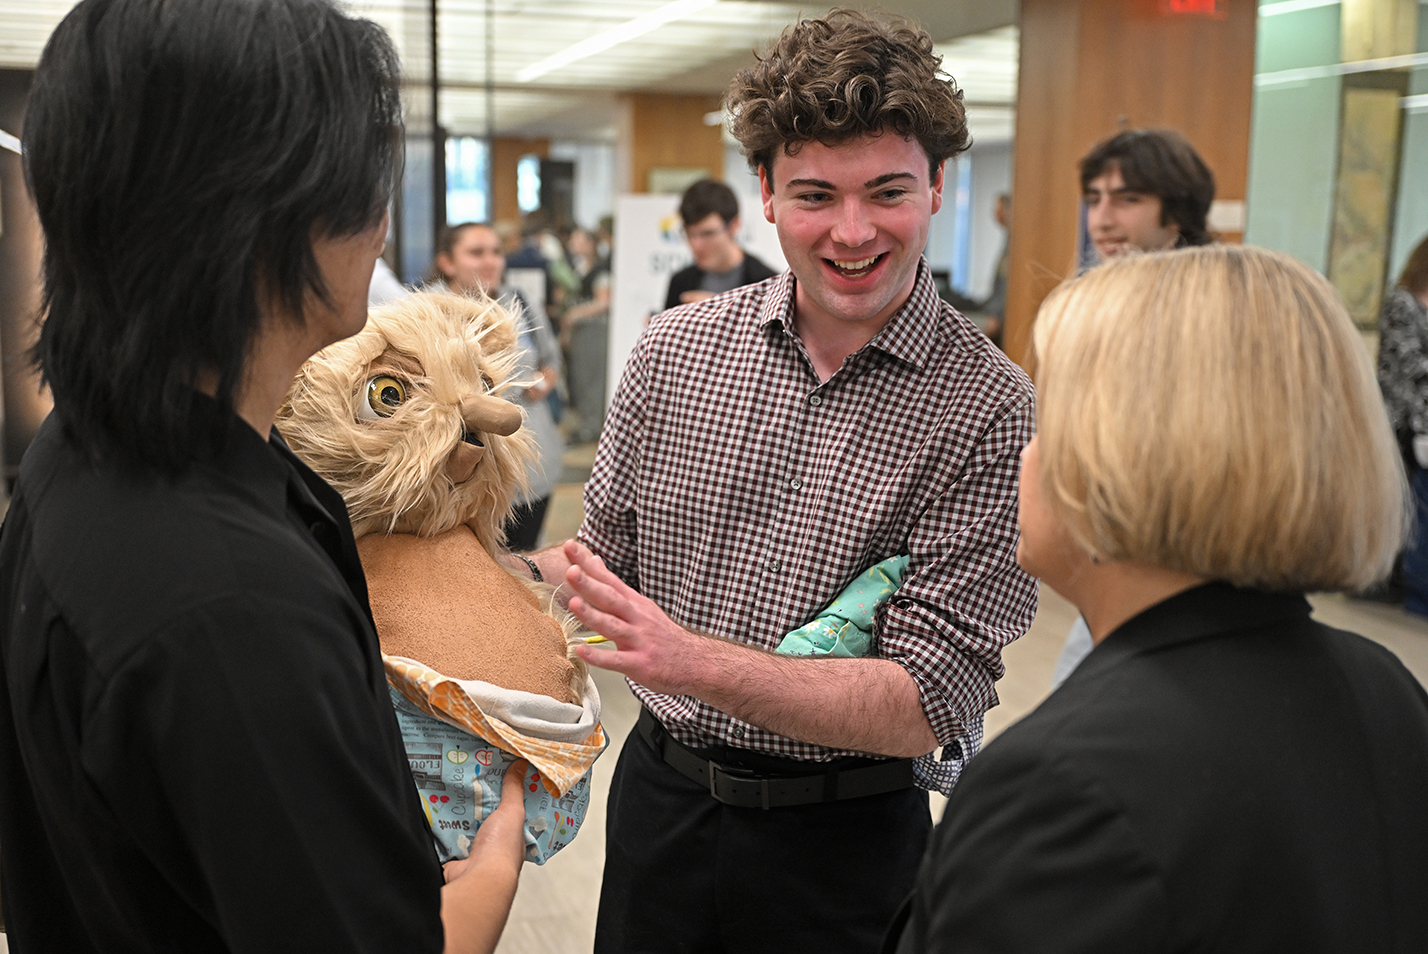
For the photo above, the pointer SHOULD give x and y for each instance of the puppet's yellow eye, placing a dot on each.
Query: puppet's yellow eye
(384, 395)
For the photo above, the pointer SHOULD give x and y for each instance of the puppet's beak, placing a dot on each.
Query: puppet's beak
(491, 415)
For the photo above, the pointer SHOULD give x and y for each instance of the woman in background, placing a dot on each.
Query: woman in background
(1222, 773)
(1403, 377)
(470, 262)
(585, 332)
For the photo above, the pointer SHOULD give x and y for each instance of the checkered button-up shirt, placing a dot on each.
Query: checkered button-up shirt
(742, 494)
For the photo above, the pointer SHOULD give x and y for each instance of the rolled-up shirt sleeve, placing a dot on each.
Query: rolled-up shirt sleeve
(964, 597)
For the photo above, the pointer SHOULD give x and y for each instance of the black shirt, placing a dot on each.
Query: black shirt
(752, 270)
(1222, 773)
(197, 749)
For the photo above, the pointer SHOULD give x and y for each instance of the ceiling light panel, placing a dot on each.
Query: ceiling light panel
(25, 25)
(984, 65)
(528, 33)
(693, 53)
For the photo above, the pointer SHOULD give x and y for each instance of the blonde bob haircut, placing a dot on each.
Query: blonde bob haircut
(1212, 410)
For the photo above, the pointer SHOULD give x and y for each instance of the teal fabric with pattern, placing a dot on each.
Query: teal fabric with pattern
(845, 627)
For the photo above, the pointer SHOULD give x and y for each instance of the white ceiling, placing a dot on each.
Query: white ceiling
(697, 52)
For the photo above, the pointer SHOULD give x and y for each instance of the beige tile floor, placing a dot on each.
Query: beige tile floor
(555, 904)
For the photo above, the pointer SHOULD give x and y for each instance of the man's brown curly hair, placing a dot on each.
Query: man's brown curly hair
(841, 78)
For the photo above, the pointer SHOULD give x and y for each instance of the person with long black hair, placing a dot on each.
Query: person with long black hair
(198, 751)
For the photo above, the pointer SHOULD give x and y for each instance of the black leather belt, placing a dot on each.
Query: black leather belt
(746, 788)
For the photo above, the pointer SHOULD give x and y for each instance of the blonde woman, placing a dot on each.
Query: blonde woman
(1222, 773)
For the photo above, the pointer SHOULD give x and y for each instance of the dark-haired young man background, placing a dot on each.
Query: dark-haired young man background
(198, 751)
(710, 212)
(765, 448)
(1145, 190)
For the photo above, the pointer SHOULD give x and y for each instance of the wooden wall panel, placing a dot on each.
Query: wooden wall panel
(1044, 212)
(504, 158)
(669, 130)
(1091, 68)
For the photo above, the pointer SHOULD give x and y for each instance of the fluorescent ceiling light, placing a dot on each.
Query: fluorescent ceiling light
(1415, 104)
(10, 142)
(601, 42)
(1294, 6)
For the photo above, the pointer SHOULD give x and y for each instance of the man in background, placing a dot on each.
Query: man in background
(710, 211)
(1145, 190)
(995, 307)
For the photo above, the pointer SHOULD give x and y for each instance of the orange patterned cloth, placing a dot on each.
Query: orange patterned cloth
(560, 764)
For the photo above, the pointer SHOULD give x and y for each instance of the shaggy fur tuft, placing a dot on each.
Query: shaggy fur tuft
(392, 471)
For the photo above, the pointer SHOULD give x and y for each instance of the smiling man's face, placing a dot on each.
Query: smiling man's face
(1122, 220)
(853, 222)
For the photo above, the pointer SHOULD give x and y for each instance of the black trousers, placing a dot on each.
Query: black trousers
(685, 874)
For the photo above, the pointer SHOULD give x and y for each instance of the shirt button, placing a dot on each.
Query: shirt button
(774, 565)
(739, 732)
(796, 484)
(815, 400)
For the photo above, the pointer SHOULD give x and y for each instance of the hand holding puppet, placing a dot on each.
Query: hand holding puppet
(409, 420)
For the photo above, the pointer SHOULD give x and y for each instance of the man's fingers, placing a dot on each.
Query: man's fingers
(598, 595)
(502, 833)
(612, 659)
(606, 624)
(513, 785)
(595, 567)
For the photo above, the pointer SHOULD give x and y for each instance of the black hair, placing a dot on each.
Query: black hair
(1415, 270)
(183, 155)
(1161, 163)
(705, 198)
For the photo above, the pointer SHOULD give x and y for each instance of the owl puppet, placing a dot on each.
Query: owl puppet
(409, 420)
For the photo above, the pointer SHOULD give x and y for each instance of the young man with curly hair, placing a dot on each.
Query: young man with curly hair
(764, 449)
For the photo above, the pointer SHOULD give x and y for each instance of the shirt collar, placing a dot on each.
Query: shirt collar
(1211, 609)
(243, 458)
(908, 335)
(268, 468)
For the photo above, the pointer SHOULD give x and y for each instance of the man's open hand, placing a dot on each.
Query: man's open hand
(649, 647)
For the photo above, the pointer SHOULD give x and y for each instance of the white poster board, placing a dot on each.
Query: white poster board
(650, 247)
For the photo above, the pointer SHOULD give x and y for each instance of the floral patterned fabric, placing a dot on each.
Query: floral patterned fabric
(1403, 361)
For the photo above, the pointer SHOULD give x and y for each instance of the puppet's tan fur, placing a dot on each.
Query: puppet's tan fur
(392, 472)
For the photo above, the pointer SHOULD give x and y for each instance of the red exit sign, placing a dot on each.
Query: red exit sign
(1193, 8)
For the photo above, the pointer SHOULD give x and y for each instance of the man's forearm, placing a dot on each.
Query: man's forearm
(551, 563)
(867, 705)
